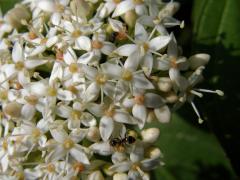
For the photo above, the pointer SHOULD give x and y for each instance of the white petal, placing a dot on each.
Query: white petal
(126, 50)
(30, 64)
(159, 42)
(121, 167)
(23, 77)
(149, 164)
(123, 117)
(116, 25)
(198, 60)
(162, 64)
(163, 114)
(28, 111)
(88, 120)
(107, 48)
(140, 112)
(59, 134)
(147, 64)
(83, 43)
(78, 135)
(79, 155)
(57, 154)
(112, 70)
(4, 162)
(47, 5)
(69, 56)
(106, 127)
(150, 135)
(17, 52)
(141, 82)
(38, 50)
(65, 95)
(140, 33)
(56, 19)
(56, 73)
(152, 100)
(123, 7)
(132, 62)
(51, 41)
(86, 58)
(92, 92)
(95, 175)
(102, 148)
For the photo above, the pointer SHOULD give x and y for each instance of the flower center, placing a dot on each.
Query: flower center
(76, 33)
(32, 35)
(116, 1)
(13, 109)
(79, 167)
(59, 55)
(36, 132)
(68, 144)
(110, 111)
(135, 166)
(3, 95)
(19, 176)
(173, 62)
(31, 99)
(127, 75)
(60, 8)
(138, 2)
(97, 44)
(52, 91)
(145, 46)
(19, 65)
(50, 168)
(73, 89)
(139, 99)
(101, 79)
(43, 41)
(5, 145)
(76, 114)
(73, 67)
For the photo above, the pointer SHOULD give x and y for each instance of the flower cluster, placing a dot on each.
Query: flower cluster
(79, 79)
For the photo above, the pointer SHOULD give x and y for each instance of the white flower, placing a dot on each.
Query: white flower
(68, 145)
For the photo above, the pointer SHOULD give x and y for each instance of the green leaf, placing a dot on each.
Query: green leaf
(190, 153)
(7, 4)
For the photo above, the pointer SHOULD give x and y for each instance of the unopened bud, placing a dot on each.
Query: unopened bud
(130, 18)
(153, 152)
(13, 109)
(120, 176)
(95, 175)
(93, 134)
(164, 84)
(150, 135)
(20, 13)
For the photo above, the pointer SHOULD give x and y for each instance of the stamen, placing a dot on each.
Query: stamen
(200, 120)
(218, 92)
(197, 93)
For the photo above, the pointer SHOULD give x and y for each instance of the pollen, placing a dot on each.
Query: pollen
(116, 1)
(145, 46)
(43, 41)
(68, 144)
(101, 79)
(97, 44)
(138, 2)
(19, 65)
(73, 89)
(76, 33)
(76, 114)
(33, 100)
(78, 167)
(5, 145)
(127, 75)
(3, 94)
(60, 8)
(173, 62)
(110, 111)
(51, 168)
(139, 99)
(32, 35)
(73, 67)
(52, 91)
(59, 55)
(36, 132)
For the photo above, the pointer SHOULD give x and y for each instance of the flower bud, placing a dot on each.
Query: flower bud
(153, 152)
(150, 135)
(107, 170)
(93, 134)
(13, 109)
(120, 176)
(95, 175)
(164, 84)
(130, 18)
(18, 14)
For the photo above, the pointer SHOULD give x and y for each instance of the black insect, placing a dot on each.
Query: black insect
(113, 36)
(121, 142)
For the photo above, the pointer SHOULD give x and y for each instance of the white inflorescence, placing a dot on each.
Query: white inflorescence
(76, 75)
